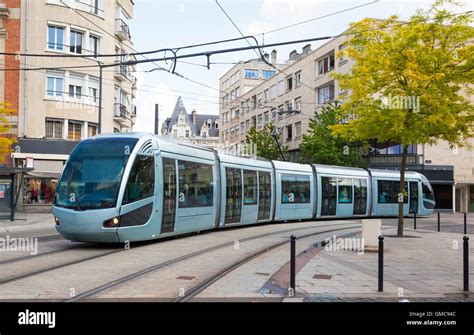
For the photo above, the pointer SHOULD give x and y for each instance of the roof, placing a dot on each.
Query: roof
(195, 127)
(7, 170)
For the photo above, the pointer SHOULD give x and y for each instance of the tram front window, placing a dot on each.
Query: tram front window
(427, 191)
(92, 176)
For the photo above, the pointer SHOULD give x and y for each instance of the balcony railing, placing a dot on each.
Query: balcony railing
(122, 30)
(134, 111)
(121, 72)
(120, 110)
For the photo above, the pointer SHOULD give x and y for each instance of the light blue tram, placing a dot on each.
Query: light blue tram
(137, 186)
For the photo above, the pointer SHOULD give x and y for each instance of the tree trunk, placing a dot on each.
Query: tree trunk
(402, 191)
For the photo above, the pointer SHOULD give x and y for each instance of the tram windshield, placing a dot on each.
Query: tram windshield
(92, 176)
(427, 191)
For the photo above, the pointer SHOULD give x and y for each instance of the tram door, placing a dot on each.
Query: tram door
(265, 195)
(233, 206)
(169, 195)
(329, 194)
(413, 197)
(360, 196)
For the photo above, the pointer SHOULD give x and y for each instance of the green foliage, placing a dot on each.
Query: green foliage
(322, 146)
(410, 82)
(266, 144)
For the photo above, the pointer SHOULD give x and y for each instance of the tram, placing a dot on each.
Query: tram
(138, 186)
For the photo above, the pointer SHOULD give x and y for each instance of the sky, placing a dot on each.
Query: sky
(160, 24)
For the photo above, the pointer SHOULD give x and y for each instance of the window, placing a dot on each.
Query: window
(325, 94)
(427, 191)
(388, 192)
(141, 183)
(93, 94)
(267, 74)
(195, 185)
(91, 129)
(250, 187)
(274, 113)
(289, 106)
(217, 124)
(94, 45)
(55, 38)
(253, 102)
(266, 95)
(298, 129)
(326, 64)
(298, 79)
(289, 132)
(75, 92)
(345, 191)
(74, 131)
(298, 104)
(259, 120)
(260, 99)
(273, 92)
(295, 189)
(54, 128)
(289, 83)
(187, 133)
(54, 86)
(251, 74)
(266, 117)
(76, 42)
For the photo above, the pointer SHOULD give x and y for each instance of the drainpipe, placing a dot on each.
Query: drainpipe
(25, 74)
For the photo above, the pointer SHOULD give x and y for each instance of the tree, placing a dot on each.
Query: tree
(322, 146)
(266, 142)
(410, 81)
(5, 142)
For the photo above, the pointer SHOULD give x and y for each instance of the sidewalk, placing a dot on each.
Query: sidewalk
(423, 266)
(27, 221)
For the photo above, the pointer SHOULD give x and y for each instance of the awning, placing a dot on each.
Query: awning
(46, 175)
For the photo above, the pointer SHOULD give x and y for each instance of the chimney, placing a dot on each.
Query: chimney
(273, 57)
(193, 113)
(157, 118)
(267, 58)
(307, 49)
(293, 54)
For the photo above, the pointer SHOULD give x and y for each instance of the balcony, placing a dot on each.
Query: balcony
(122, 31)
(134, 112)
(120, 113)
(121, 72)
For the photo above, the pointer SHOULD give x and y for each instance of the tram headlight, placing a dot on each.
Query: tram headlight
(111, 223)
(56, 220)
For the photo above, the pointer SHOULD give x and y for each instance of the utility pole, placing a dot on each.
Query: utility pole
(157, 118)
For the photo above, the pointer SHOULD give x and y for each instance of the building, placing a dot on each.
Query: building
(57, 107)
(302, 86)
(194, 128)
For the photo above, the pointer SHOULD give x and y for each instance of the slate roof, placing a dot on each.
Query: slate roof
(195, 128)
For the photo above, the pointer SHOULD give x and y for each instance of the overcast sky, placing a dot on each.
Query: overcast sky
(159, 24)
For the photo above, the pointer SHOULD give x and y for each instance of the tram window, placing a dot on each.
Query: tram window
(345, 191)
(141, 182)
(195, 185)
(388, 192)
(295, 189)
(250, 187)
(427, 192)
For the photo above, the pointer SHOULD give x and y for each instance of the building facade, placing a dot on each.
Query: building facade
(302, 86)
(58, 105)
(193, 128)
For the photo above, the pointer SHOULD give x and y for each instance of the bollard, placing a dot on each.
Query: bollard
(439, 222)
(466, 263)
(380, 263)
(293, 263)
(414, 222)
(465, 223)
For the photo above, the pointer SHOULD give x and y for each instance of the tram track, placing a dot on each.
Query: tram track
(207, 282)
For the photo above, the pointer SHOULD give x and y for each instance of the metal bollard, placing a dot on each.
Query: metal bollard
(293, 263)
(380, 263)
(414, 222)
(439, 222)
(465, 223)
(466, 263)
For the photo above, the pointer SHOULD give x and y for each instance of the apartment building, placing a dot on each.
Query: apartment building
(58, 105)
(302, 86)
